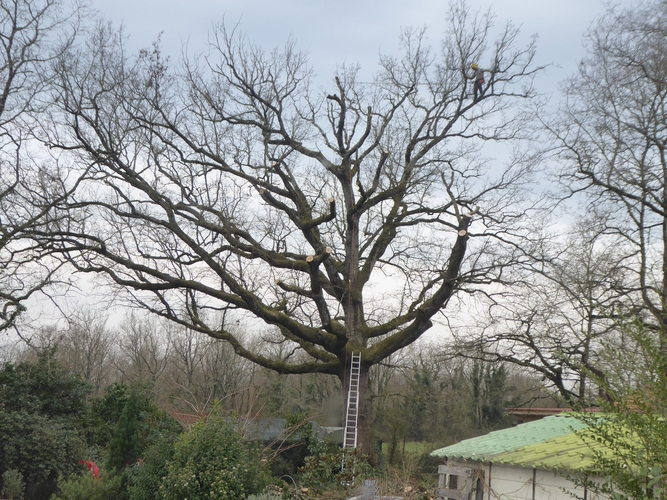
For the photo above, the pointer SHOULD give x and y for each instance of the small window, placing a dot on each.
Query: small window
(460, 483)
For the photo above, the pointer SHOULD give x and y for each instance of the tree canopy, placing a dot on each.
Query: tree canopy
(228, 187)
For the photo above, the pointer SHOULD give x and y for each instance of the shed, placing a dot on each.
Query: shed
(527, 462)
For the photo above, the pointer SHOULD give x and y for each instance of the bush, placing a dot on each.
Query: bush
(12, 484)
(86, 487)
(41, 408)
(43, 387)
(124, 448)
(105, 414)
(41, 449)
(144, 480)
(213, 462)
(324, 470)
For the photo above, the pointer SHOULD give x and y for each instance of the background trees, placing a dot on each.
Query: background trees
(228, 188)
(556, 321)
(608, 142)
(32, 34)
(611, 141)
(86, 347)
(434, 397)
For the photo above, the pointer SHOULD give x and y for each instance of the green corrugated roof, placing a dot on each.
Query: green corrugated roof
(548, 443)
(567, 452)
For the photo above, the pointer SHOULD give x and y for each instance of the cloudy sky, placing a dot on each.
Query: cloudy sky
(335, 32)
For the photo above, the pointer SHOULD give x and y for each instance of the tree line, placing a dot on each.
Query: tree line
(64, 407)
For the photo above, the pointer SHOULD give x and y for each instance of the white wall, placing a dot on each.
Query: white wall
(516, 483)
(507, 482)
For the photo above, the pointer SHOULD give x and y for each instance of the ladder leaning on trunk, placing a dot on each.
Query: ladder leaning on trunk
(352, 412)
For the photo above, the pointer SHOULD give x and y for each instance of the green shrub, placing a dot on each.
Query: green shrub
(40, 448)
(86, 487)
(269, 495)
(144, 480)
(41, 410)
(124, 448)
(329, 469)
(105, 414)
(213, 462)
(13, 485)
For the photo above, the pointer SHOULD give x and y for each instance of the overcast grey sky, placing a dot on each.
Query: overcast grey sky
(349, 31)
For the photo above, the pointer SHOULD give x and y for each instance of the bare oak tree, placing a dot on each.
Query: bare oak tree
(327, 222)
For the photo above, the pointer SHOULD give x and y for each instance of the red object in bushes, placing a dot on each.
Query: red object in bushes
(92, 467)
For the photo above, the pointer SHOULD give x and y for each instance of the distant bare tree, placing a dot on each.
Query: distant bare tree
(87, 348)
(144, 349)
(188, 351)
(558, 320)
(224, 372)
(230, 184)
(203, 370)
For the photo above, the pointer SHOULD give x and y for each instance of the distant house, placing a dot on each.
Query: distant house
(523, 415)
(527, 462)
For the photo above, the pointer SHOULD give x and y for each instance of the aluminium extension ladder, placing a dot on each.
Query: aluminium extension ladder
(350, 436)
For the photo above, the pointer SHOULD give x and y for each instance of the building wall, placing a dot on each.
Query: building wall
(517, 483)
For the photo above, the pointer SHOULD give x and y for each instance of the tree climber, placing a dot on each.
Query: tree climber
(478, 76)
